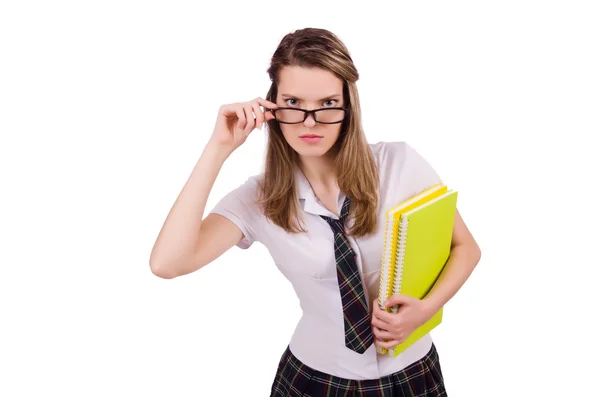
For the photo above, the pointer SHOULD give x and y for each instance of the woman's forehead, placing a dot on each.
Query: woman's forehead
(308, 83)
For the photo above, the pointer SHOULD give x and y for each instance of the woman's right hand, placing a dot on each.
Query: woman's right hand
(236, 121)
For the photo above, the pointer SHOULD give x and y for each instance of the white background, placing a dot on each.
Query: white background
(105, 108)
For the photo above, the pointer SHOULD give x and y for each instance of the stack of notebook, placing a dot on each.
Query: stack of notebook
(417, 239)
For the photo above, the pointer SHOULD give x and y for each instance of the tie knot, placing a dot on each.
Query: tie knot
(337, 225)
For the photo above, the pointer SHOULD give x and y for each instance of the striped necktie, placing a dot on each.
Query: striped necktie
(357, 324)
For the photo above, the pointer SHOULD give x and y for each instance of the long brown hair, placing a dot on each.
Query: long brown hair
(355, 166)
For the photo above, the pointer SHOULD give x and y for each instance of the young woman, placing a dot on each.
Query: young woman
(318, 208)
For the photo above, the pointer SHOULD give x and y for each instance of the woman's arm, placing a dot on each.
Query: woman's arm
(187, 242)
(184, 229)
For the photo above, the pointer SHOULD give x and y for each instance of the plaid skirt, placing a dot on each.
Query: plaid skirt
(422, 378)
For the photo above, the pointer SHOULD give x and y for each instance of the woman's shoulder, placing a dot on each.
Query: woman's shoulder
(387, 152)
(248, 190)
(394, 146)
(400, 157)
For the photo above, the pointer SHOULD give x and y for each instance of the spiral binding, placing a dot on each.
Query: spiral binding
(384, 257)
(385, 285)
(400, 252)
(388, 263)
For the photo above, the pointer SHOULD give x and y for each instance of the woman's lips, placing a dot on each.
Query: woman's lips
(311, 138)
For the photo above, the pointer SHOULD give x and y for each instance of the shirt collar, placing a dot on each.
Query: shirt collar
(308, 201)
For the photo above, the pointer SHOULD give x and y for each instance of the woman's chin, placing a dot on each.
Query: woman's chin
(311, 151)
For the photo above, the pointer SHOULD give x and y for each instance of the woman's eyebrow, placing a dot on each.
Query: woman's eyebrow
(327, 97)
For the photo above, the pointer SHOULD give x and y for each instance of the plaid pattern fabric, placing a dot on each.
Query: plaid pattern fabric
(357, 324)
(422, 378)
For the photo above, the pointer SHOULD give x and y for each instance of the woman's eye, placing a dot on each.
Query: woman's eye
(328, 100)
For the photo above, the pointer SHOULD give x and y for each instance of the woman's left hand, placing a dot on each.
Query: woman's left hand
(391, 329)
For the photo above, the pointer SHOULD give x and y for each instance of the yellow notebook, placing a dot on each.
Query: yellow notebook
(416, 247)
(391, 229)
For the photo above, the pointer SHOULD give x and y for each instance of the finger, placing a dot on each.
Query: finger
(381, 333)
(269, 111)
(241, 118)
(228, 109)
(265, 103)
(386, 317)
(379, 324)
(387, 344)
(250, 123)
(377, 312)
(269, 115)
(399, 299)
(390, 341)
(376, 306)
(379, 305)
(260, 117)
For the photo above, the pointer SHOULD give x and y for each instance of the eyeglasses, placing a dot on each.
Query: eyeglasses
(295, 115)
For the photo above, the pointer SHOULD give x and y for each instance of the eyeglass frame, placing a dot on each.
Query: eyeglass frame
(306, 112)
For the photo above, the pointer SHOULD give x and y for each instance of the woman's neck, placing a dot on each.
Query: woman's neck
(320, 173)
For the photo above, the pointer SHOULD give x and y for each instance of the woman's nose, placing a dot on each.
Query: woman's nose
(310, 120)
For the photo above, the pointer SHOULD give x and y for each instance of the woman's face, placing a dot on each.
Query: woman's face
(310, 88)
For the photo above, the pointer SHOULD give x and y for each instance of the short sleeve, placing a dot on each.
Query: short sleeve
(239, 207)
(406, 166)
(423, 174)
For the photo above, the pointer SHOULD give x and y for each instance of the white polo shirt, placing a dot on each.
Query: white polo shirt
(307, 260)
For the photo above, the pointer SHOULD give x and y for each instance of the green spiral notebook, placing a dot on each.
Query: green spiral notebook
(417, 244)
